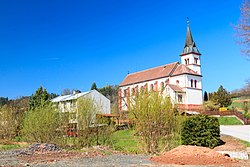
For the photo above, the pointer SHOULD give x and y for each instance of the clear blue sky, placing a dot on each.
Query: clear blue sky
(71, 44)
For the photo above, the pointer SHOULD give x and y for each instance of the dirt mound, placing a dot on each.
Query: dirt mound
(193, 155)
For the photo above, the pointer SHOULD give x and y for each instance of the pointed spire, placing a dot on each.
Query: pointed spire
(189, 44)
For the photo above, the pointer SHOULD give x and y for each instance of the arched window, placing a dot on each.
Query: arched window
(125, 92)
(195, 83)
(187, 61)
(133, 91)
(177, 82)
(162, 86)
(191, 83)
(152, 87)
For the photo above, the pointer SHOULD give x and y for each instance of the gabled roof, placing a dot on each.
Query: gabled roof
(175, 88)
(190, 46)
(150, 74)
(167, 70)
(182, 69)
(69, 97)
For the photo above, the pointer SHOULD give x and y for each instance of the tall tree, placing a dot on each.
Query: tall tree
(93, 87)
(39, 99)
(222, 97)
(243, 27)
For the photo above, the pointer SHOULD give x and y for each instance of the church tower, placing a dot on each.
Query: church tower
(190, 55)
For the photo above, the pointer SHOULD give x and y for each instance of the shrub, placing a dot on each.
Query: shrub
(41, 124)
(155, 121)
(201, 130)
(91, 131)
(8, 123)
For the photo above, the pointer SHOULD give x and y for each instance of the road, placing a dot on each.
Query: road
(239, 131)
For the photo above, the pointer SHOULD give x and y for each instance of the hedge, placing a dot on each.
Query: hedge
(201, 130)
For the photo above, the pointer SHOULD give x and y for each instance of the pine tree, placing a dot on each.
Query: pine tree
(205, 96)
(222, 97)
(93, 87)
(39, 99)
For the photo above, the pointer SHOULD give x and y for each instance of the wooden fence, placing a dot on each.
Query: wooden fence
(229, 113)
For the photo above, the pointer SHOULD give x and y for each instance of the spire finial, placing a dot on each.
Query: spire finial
(188, 21)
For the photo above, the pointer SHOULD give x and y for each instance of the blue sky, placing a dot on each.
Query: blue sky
(71, 44)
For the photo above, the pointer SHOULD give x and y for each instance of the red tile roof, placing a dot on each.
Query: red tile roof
(150, 74)
(158, 72)
(176, 88)
(182, 69)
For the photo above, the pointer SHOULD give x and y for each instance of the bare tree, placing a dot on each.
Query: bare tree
(243, 28)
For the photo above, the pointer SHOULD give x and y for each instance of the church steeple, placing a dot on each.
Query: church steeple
(190, 46)
(190, 56)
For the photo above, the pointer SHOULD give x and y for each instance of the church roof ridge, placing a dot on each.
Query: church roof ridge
(149, 74)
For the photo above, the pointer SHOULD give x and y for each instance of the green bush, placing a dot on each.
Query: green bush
(201, 130)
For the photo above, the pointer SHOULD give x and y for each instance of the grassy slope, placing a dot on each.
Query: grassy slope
(229, 121)
(125, 141)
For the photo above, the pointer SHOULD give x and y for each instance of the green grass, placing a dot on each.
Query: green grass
(245, 143)
(11, 146)
(229, 121)
(126, 141)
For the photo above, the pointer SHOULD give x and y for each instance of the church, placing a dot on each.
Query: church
(182, 82)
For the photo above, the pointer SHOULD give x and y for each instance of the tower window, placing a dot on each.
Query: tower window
(195, 83)
(195, 60)
(191, 83)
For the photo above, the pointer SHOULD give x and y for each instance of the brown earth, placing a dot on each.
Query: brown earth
(193, 155)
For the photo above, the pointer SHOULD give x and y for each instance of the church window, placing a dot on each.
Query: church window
(180, 98)
(162, 86)
(196, 60)
(191, 83)
(152, 87)
(125, 93)
(133, 91)
(195, 83)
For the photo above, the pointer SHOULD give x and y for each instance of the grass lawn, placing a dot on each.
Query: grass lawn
(125, 141)
(229, 121)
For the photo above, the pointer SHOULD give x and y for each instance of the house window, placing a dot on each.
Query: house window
(195, 83)
(191, 83)
(180, 98)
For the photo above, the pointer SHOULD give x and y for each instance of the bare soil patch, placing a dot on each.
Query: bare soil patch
(193, 155)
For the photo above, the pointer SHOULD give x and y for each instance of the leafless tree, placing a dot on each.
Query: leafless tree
(243, 28)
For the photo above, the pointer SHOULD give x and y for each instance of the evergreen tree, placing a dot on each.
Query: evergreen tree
(93, 87)
(205, 96)
(39, 99)
(3, 101)
(222, 97)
